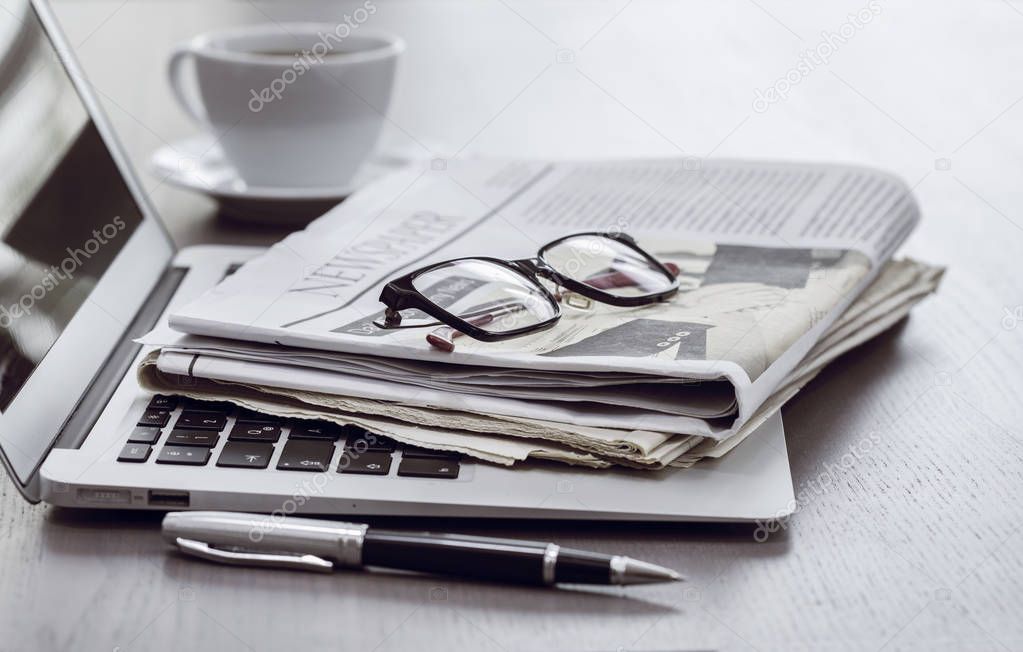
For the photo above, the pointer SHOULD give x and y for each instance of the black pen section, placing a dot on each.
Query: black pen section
(581, 567)
(504, 560)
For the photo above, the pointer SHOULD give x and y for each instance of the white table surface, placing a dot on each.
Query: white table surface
(916, 546)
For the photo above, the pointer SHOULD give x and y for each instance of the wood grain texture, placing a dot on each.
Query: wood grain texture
(914, 544)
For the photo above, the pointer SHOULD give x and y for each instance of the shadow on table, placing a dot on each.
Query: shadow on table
(418, 588)
(824, 419)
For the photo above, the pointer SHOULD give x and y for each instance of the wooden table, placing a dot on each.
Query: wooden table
(916, 545)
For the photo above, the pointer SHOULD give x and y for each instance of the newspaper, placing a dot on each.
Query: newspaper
(889, 299)
(771, 255)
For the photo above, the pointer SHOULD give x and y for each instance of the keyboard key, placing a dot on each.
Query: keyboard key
(351, 431)
(207, 438)
(144, 435)
(423, 467)
(261, 432)
(153, 417)
(322, 430)
(365, 441)
(427, 453)
(306, 456)
(201, 421)
(193, 455)
(135, 453)
(245, 455)
(161, 402)
(251, 416)
(376, 463)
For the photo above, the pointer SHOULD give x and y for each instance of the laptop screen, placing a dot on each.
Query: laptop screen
(65, 211)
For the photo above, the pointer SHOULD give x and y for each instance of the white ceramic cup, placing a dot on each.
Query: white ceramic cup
(292, 104)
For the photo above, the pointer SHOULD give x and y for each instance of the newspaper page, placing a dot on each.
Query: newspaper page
(898, 288)
(769, 255)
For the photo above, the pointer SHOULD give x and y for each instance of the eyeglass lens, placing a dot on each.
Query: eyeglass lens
(608, 265)
(487, 295)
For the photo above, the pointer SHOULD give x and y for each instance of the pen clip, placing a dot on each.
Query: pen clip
(249, 558)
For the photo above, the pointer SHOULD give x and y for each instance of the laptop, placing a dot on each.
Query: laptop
(87, 268)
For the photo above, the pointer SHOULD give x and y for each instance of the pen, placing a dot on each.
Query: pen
(320, 545)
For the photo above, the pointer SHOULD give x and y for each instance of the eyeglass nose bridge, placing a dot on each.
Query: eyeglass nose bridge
(539, 267)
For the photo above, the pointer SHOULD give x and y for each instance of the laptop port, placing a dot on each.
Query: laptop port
(168, 498)
(101, 496)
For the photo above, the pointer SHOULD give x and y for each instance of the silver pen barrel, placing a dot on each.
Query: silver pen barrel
(334, 540)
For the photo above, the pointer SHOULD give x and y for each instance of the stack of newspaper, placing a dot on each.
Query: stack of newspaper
(782, 267)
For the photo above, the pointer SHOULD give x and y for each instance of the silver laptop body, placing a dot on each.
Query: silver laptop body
(87, 267)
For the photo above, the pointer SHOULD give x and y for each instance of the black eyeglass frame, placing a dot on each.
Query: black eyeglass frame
(401, 294)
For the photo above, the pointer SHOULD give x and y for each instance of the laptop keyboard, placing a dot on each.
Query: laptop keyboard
(189, 437)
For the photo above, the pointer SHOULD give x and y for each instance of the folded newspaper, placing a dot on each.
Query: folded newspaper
(782, 267)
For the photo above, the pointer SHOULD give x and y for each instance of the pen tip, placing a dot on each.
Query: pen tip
(642, 572)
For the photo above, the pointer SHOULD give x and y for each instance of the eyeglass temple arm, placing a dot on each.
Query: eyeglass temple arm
(392, 318)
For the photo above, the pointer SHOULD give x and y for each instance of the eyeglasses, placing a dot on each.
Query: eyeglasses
(490, 299)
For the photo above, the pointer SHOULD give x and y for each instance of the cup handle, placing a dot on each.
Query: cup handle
(175, 70)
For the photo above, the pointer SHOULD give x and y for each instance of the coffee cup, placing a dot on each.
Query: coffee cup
(290, 104)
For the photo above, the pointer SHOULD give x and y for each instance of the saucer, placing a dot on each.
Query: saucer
(198, 164)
